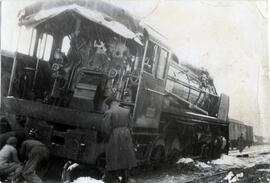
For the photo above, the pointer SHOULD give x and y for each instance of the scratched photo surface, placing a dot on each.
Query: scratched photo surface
(226, 39)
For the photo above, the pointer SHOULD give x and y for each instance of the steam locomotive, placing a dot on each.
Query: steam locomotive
(77, 53)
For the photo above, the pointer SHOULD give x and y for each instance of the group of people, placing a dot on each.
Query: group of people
(31, 159)
(210, 146)
(26, 165)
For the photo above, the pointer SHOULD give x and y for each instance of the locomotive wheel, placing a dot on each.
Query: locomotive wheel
(157, 157)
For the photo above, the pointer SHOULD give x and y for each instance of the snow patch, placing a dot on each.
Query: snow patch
(185, 161)
(263, 170)
(229, 161)
(202, 165)
(87, 180)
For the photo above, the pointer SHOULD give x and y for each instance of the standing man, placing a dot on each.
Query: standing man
(36, 155)
(9, 161)
(120, 156)
(241, 143)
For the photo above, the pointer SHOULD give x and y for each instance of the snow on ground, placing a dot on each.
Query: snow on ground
(202, 165)
(198, 164)
(263, 170)
(185, 160)
(256, 155)
(189, 169)
(87, 180)
(252, 150)
(226, 161)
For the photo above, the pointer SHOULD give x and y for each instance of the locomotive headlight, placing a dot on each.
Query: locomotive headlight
(55, 67)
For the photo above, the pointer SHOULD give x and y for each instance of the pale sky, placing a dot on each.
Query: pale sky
(229, 38)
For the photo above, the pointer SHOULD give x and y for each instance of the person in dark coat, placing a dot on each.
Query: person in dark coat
(36, 155)
(241, 143)
(120, 155)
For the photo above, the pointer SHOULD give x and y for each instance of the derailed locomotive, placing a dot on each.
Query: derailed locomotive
(80, 52)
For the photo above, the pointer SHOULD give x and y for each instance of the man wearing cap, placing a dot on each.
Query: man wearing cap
(19, 134)
(9, 161)
(120, 156)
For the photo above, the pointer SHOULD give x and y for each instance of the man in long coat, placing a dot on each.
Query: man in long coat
(120, 156)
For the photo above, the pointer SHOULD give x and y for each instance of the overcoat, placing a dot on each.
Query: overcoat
(37, 155)
(119, 150)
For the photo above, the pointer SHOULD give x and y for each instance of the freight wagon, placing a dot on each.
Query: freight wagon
(236, 128)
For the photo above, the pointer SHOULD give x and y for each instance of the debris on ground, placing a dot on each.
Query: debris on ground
(242, 156)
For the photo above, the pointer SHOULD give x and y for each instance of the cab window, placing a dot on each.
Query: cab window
(45, 43)
(152, 54)
(162, 62)
(65, 45)
(27, 41)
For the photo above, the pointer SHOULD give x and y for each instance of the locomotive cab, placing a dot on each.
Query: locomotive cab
(69, 59)
(76, 64)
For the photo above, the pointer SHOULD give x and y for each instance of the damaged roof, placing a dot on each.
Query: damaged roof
(109, 11)
(106, 14)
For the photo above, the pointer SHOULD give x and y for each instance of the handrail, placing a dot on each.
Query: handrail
(192, 106)
(192, 87)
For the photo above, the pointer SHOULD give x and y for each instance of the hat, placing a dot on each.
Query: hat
(12, 140)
